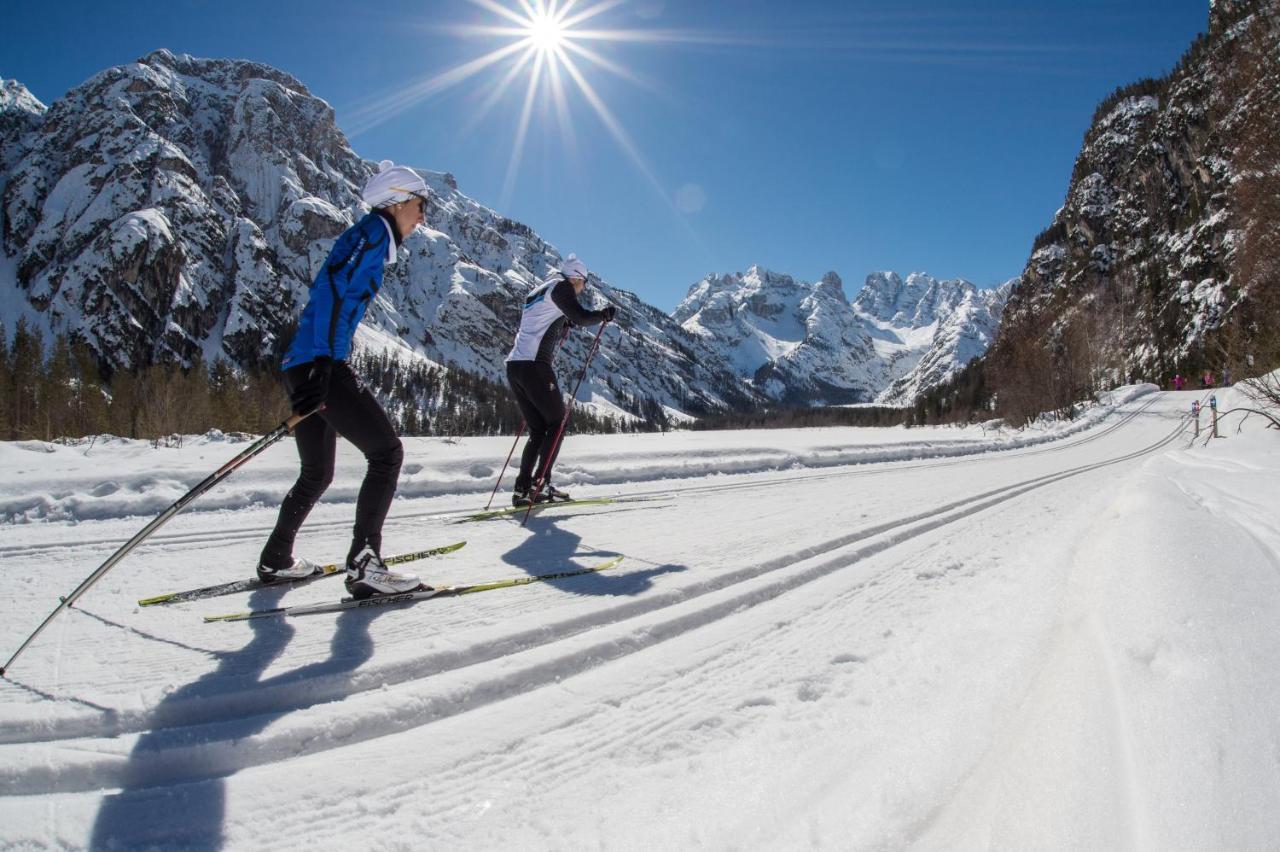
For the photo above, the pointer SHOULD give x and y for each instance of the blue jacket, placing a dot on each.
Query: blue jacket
(341, 293)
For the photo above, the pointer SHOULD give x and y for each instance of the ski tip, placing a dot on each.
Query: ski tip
(158, 599)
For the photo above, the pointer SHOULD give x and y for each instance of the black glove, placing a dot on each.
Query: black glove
(609, 312)
(312, 390)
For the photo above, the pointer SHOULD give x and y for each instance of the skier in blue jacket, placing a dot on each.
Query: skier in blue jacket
(319, 380)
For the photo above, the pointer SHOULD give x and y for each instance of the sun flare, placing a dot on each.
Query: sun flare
(548, 48)
(545, 32)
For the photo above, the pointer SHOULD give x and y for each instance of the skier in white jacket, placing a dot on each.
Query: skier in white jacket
(533, 381)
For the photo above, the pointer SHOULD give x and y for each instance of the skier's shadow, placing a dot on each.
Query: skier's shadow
(549, 550)
(148, 811)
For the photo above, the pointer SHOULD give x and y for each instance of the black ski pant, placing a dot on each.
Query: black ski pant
(351, 411)
(538, 395)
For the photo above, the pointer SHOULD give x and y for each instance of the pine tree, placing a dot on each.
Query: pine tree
(55, 391)
(123, 413)
(26, 364)
(6, 390)
(89, 400)
(224, 393)
(196, 405)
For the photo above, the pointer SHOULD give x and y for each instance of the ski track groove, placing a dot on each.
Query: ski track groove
(675, 709)
(828, 556)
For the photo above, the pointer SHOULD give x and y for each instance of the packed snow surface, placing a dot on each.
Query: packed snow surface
(1059, 637)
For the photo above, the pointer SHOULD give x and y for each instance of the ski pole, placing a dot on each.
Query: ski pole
(555, 445)
(520, 432)
(503, 473)
(213, 479)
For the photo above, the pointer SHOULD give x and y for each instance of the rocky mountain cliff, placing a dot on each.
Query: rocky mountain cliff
(1135, 276)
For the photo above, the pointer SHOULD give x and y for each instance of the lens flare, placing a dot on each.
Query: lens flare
(544, 44)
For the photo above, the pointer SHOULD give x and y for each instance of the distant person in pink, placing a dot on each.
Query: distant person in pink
(1178, 382)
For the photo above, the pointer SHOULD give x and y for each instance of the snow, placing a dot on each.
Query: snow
(15, 306)
(838, 638)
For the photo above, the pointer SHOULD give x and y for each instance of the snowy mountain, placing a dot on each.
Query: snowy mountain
(795, 341)
(800, 342)
(177, 208)
(926, 329)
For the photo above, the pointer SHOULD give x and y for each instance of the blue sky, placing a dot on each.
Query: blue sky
(804, 136)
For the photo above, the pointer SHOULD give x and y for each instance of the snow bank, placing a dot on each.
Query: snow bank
(127, 478)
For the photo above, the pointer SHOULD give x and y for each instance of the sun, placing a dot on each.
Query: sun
(545, 44)
(545, 32)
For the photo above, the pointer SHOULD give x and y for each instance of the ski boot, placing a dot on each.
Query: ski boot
(299, 570)
(551, 494)
(368, 576)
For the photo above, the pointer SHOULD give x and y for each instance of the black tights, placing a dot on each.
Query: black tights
(536, 392)
(351, 411)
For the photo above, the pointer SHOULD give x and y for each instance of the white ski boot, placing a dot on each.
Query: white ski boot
(368, 576)
(299, 570)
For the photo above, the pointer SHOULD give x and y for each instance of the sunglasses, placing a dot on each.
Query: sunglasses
(421, 199)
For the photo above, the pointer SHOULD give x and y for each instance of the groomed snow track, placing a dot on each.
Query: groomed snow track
(242, 719)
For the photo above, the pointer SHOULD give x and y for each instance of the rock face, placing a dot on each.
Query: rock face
(1141, 251)
(803, 343)
(177, 208)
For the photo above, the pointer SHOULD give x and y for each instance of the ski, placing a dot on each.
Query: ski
(537, 507)
(421, 594)
(254, 583)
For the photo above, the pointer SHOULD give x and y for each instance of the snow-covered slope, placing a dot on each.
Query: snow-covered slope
(926, 329)
(177, 208)
(841, 639)
(800, 342)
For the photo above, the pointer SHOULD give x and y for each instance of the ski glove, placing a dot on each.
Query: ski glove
(609, 312)
(312, 391)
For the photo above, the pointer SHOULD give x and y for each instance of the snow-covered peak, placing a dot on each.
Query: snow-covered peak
(918, 301)
(797, 340)
(20, 113)
(15, 96)
(832, 286)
